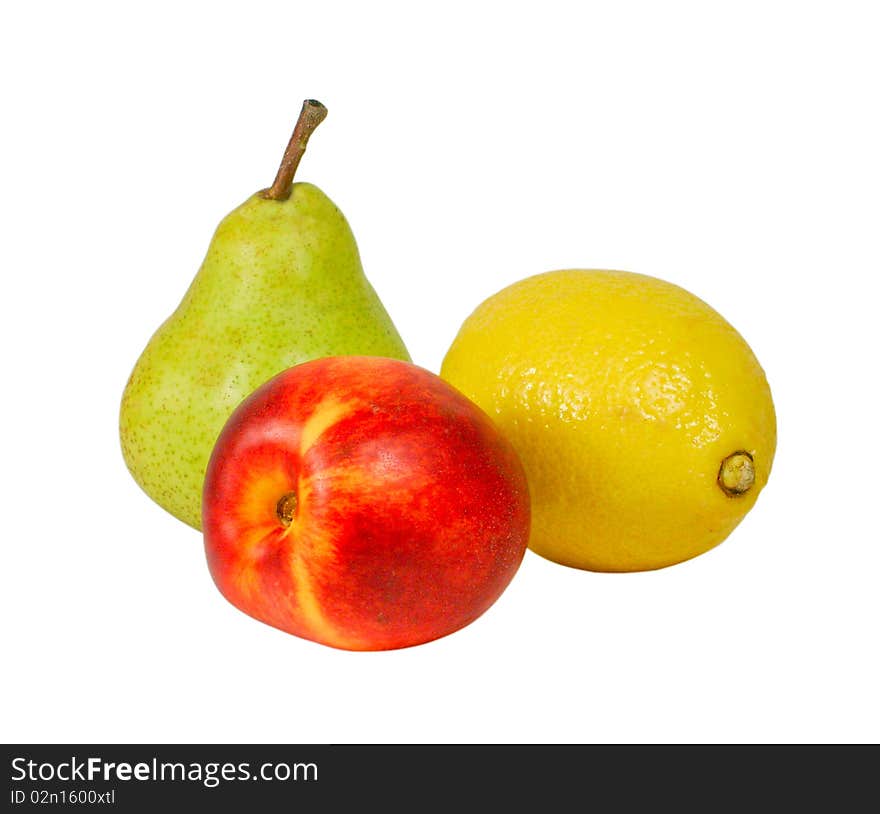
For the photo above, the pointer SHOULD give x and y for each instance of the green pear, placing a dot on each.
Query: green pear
(282, 283)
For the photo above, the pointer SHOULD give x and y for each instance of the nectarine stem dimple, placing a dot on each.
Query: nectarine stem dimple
(286, 508)
(737, 474)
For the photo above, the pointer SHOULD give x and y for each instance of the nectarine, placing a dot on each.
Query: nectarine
(363, 503)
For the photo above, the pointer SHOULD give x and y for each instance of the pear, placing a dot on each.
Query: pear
(282, 283)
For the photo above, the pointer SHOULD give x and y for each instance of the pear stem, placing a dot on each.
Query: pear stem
(311, 115)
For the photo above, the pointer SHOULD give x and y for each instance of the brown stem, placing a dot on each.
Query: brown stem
(286, 508)
(311, 115)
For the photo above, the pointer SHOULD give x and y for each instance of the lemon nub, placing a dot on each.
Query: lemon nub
(286, 508)
(737, 474)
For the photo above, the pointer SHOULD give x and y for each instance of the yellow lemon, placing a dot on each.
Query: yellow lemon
(643, 419)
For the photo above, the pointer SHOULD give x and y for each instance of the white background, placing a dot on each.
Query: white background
(731, 148)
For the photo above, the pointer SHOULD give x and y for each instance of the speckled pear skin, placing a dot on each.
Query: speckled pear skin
(282, 283)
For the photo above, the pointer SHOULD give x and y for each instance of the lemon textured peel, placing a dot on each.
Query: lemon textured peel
(644, 421)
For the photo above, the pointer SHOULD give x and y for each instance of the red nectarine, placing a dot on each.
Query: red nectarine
(363, 503)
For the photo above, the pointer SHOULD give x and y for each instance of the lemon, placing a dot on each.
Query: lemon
(643, 419)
